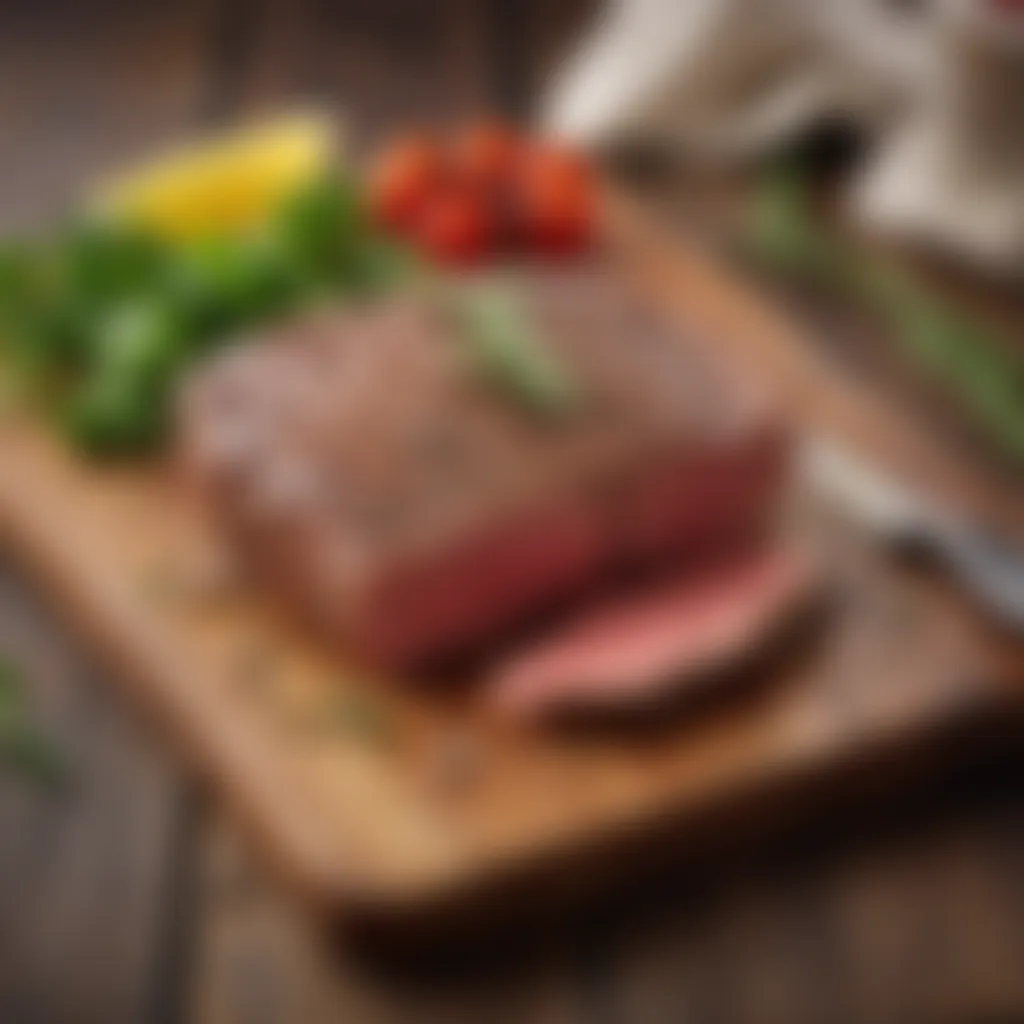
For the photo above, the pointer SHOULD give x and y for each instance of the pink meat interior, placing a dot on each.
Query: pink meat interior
(664, 637)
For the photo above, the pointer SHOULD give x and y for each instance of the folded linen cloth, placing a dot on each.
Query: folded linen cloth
(935, 85)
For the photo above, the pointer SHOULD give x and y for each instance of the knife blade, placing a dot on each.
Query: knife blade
(862, 490)
(989, 566)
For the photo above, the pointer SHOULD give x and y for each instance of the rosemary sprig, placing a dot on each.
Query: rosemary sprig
(508, 349)
(962, 355)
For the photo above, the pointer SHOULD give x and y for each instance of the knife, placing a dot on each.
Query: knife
(989, 566)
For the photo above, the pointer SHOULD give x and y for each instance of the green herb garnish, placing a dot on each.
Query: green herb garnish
(507, 346)
(24, 749)
(961, 355)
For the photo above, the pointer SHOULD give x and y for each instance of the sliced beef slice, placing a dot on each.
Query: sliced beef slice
(674, 636)
(369, 469)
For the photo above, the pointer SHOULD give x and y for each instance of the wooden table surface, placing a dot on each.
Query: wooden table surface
(131, 899)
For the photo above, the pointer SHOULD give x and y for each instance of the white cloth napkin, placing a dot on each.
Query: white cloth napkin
(937, 84)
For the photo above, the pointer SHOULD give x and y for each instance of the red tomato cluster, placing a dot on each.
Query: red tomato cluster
(485, 192)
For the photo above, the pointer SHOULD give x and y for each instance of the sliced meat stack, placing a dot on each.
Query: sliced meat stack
(678, 633)
(415, 508)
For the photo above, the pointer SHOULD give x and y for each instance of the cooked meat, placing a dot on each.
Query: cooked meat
(415, 507)
(634, 650)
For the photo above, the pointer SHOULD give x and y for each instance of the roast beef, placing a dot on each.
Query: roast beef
(673, 636)
(414, 508)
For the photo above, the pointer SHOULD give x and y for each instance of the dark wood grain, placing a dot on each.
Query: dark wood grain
(87, 873)
(915, 916)
(872, 924)
(376, 66)
(257, 956)
(83, 88)
(91, 881)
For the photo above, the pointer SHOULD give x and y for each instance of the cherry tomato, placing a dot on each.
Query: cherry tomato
(546, 165)
(486, 156)
(556, 203)
(403, 179)
(555, 225)
(455, 227)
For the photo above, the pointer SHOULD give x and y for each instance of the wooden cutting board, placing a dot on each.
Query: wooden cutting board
(400, 803)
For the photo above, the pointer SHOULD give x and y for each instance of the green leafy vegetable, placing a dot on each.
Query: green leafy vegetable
(324, 226)
(380, 264)
(101, 321)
